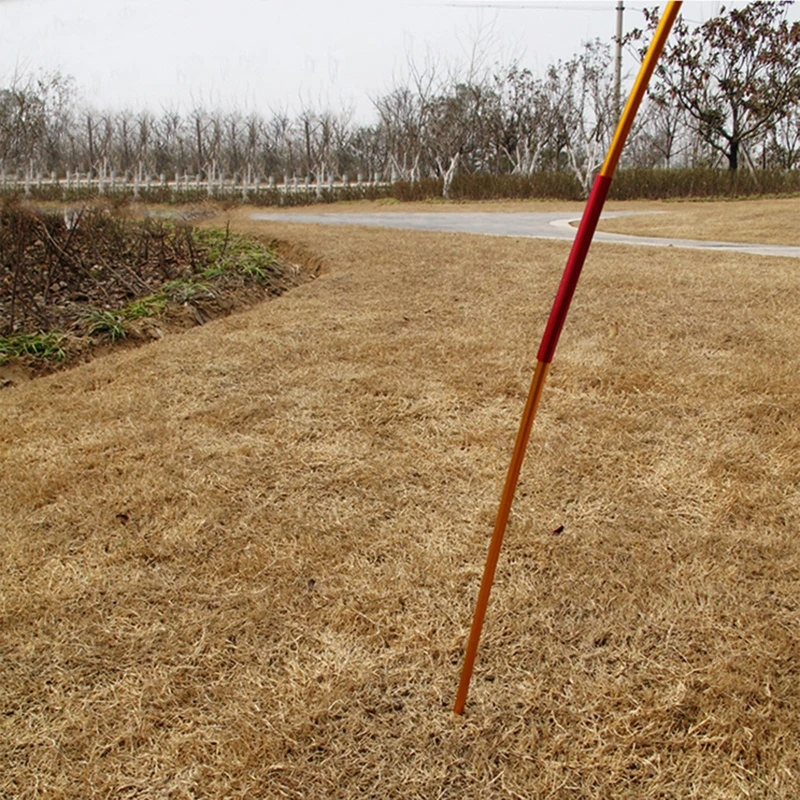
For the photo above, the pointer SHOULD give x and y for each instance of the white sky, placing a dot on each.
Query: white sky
(281, 54)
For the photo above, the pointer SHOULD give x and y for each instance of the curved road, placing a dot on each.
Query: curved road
(535, 224)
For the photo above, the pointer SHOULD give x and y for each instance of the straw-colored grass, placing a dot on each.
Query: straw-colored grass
(242, 562)
(773, 221)
(760, 222)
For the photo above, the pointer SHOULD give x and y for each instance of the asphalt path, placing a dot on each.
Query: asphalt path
(534, 224)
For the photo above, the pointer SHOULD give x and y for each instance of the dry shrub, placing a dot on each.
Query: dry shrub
(242, 562)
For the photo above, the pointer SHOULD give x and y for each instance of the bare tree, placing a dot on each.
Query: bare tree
(233, 148)
(783, 149)
(459, 130)
(32, 111)
(658, 137)
(528, 123)
(278, 151)
(582, 95)
(368, 149)
(403, 116)
(145, 127)
(167, 141)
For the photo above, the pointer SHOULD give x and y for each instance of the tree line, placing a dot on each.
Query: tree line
(725, 94)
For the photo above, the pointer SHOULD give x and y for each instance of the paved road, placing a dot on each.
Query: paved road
(536, 225)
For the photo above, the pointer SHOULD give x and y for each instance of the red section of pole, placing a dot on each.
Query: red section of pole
(577, 257)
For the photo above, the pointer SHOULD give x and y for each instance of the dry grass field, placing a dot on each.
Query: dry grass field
(773, 221)
(758, 222)
(241, 562)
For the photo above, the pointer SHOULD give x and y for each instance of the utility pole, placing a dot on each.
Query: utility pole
(618, 62)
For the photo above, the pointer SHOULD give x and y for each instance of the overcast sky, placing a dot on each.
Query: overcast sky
(281, 54)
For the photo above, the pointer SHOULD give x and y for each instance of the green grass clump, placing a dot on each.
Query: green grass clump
(149, 306)
(230, 253)
(36, 345)
(109, 323)
(182, 290)
(114, 324)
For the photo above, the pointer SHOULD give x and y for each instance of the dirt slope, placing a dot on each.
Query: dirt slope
(242, 562)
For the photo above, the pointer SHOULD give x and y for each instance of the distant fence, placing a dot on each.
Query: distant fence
(191, 188)
(629, 184)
